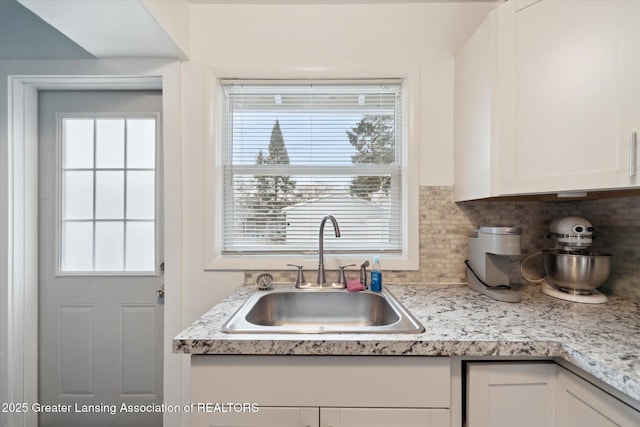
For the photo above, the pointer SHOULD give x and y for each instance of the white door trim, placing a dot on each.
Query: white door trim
(23, 249)
(23, 228)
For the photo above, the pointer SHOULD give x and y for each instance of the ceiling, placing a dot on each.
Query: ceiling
(23, 35)
(73, 29)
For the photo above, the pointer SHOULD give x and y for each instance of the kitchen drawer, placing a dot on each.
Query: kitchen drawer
(354, 381)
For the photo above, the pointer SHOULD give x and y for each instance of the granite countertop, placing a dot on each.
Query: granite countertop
(601, 339)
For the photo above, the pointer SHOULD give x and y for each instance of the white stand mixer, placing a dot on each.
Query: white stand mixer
(488, 264)
(571, 261)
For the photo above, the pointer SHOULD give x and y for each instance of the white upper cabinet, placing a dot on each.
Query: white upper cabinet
(565, 96)
(474, 104)
(629, 79)
(564, 82)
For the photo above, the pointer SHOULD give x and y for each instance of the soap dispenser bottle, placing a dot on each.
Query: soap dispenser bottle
(376, 275)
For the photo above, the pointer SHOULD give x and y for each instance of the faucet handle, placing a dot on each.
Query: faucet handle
(342, 280)
(363, 273)
(300, 276)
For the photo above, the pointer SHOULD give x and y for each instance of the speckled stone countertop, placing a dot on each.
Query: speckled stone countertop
(601, 339)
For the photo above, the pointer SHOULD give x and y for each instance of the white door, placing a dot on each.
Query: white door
(100, 249)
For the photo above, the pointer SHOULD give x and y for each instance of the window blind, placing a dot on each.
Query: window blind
(293, 153)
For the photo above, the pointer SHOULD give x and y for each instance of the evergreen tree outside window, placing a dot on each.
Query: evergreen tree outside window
(274, 193)
(293, 153)
(373, 139)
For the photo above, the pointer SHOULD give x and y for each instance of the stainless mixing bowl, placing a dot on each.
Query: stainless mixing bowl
(578, 272)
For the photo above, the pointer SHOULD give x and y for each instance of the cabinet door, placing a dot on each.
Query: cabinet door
(629, 68)
(506, 394)
(473, 112)
(564, 132)
(383, 417)
(581, 404)
(267, 417)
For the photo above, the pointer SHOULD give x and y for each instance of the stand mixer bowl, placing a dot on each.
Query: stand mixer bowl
(577, 272)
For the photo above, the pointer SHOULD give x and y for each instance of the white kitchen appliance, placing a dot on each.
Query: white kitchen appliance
(573, 271)
(488, 263)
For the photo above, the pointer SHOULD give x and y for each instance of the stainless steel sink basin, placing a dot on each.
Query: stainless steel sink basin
(322, 311)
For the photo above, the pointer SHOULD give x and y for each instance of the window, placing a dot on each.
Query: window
(107, 194)
(293, 153)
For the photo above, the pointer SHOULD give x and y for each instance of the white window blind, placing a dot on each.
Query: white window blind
(293, 153)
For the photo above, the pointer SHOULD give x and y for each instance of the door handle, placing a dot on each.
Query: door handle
(633, 153)
(160, 292)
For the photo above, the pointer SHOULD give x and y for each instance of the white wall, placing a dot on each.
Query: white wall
(173, 17)
(315, 41)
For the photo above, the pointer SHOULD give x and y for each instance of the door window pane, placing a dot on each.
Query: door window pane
(140, 245)
(77, 189)
(77, 248)
(141, 195)
(108, 191)
(109, 246)
(110, 143)
(141, 143)
(77, 143)
(109, 195)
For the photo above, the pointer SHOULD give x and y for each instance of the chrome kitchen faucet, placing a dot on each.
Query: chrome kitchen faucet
(321, 279)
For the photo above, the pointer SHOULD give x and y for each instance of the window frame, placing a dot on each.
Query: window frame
(215, 260)
(59, 193)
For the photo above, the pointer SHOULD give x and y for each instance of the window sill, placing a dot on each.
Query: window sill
(309, 262)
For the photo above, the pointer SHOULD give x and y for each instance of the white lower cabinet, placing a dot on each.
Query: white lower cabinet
(581, 404)
(509, 394)
(539, 394)
(387, 391)
(320, 391)
(334, 417)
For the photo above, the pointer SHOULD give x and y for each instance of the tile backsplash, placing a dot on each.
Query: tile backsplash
(444, 225)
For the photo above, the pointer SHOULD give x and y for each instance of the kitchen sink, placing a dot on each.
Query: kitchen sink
(322, 311)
